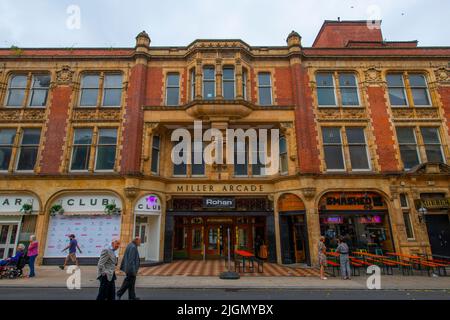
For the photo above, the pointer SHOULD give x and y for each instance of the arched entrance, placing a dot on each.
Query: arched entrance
(362, 218)
(147, 211)
(293, 229)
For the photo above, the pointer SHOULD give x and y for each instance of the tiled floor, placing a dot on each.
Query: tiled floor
(215, 267)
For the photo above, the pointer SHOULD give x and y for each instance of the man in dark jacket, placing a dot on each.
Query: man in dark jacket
(130, 265)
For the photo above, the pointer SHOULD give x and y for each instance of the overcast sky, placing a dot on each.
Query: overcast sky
(107, 23)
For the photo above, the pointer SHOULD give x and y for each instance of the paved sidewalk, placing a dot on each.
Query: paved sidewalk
(53, 277)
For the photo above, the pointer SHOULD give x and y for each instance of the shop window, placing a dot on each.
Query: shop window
(332, 144)
(155, 154)
(408, 147)
(404, 203)
(82, 140)
(209, 83)
(357, 148)
(7, 137)
(197, 239)
(108, 84)
(265, 89)
(283, 155)
(326, 95)
(33, 86)
(399, 85)
(106, 150)
(228, 83)
(28, 149)
(112, 90)
(244, 83)
(432, 144)
(349, 89)
(173, 89)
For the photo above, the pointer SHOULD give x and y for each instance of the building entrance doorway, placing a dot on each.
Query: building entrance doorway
(438, 226)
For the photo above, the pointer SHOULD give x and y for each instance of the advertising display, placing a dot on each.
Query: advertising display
(93, 234)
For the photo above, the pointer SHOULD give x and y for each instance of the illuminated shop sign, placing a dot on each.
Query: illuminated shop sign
(149, 204)
(433, 203)
(352, 201)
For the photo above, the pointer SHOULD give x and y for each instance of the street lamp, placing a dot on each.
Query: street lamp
(422, 212)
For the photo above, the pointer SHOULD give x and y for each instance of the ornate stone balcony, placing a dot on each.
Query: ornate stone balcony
(219, 110)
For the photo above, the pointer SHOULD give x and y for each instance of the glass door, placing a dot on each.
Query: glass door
(141, 231)
(8, 239)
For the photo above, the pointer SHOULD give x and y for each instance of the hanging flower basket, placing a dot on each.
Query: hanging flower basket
(56, 209)
(112, 209)
(27, 208)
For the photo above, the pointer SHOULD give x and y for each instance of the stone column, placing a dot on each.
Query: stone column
(219, 94)
(238, 76)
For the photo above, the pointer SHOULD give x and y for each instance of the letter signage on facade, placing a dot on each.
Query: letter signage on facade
(14, 203)
(148, 205)
(87, 203)
(218, 203)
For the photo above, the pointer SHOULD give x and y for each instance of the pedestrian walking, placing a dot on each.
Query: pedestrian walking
(73, 246)
(32, 253)
(106, 272)
(322, 257)
(344, 259)
(130, 265)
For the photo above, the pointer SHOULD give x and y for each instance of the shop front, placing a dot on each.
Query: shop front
(361, 218)
(94, 219)
(147, 211)
(18, 215)
(434, 209)
(293, 230)
(204, 227)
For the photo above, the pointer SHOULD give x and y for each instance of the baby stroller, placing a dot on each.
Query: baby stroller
(13, 270)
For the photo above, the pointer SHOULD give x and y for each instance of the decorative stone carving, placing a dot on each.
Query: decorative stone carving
(415, 113)
(22, 115)
(97, 115)
(373, 76)
(309, 193)
(131, 192)
(342, 114)
(64, 76)
(442, 75)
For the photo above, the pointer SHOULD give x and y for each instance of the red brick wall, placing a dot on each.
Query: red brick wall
(305, 127)
(283, 86)
(56, 130)
(134, 121)
(383, 132)
(154, 88)
(444, 92)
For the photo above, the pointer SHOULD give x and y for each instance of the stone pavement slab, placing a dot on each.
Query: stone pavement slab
(53, 277)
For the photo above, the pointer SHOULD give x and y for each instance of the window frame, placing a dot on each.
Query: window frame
(416, 144)
(171, 87)
(72, 150)
(404, 87)
(406, 210)
(158, 150)
(244, 83)
(31, 91)
(19, 149)
(427, 90)
(336, 102)
(356, 87)
(246, 164)
(348, 144)
(270, 86)
(26, 102)
(287, 156)
(213, 80)
(193, 83)
(344, 169)
(438, 133)
(97, 145)
(12, 146)
(229, 80)
(103, 88)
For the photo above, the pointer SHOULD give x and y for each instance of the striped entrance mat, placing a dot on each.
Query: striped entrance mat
(215, 267)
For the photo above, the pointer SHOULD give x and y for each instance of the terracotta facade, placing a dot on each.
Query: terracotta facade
(294, 110)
